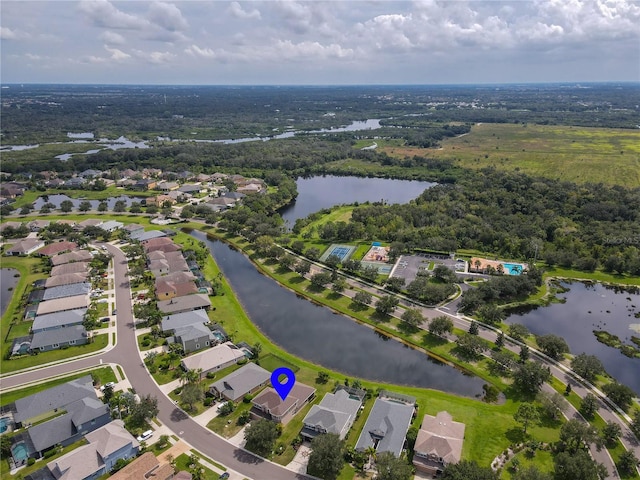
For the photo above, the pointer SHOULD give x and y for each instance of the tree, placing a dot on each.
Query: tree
(103, 206)
(619, 394)
(119, 206)
(412, 317)
(529, 377)
(297, 246)
(518, 331)
(467, 470)
(339, 285)
(628, 462)
(226, 409)
(66, 206)
(587, 366)
(322, 378)
(152, 209)
(5, 446)
(388, 467)
(261, 437)
(610, 433)
(444, 274)
(326, 459)
(257, 349)
(524, 353)
(470, 345)
(491, 314)
(552, 345)
(84, 206)
(262, 244)
(440, 326)
(503, 362)
(576, 435)
(589, 406)
(135, 207)
(500, 340)
(312, 253)
(395, 284)
(473, 328)
(577, 466)
(386, 305)
(635, 424)
(303, 267)
(332, 261)
(107, 393)
(319, 280)
(143, 411)
(191, 394)
(526, 414)
(530, 473)
(362, 298)
(369, 272)
(553, 404)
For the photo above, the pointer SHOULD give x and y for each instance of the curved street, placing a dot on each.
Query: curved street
(125, 353)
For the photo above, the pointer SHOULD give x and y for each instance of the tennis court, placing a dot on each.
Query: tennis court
(343, 252)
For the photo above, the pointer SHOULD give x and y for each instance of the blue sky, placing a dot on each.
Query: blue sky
(335, 42)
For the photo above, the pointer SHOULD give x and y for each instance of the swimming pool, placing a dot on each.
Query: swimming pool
(3, 424)
(513, 268)
(219, 336)
(20, 452)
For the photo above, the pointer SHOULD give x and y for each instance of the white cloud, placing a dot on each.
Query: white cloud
(196, 51)
(103, 14)
(156, 58)
(236, 10)
(117, 54)
(32, 56)
(167, 16)
(7, 34)
(112, 38)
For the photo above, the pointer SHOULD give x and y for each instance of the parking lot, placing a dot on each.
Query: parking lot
(408, 266)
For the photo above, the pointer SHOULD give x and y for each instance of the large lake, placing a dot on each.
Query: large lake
(334, 341)
(591, 307)
(316, 193)
(8, 281)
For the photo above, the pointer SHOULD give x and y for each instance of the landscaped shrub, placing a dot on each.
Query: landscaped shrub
(247, 398)
(31, 461)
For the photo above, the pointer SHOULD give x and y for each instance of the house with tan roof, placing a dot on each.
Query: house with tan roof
(213, 359)
(271, 406)
(438, 444)
(77, 256)
(146, 466)
(25, 246)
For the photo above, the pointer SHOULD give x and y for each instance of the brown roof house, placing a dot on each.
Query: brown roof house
(176, 284)
(439, 443)
(269, 405)
(146, 466)
(57, 247)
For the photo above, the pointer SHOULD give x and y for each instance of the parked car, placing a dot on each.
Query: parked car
(224, 476)
(145, 436)
(110, 384)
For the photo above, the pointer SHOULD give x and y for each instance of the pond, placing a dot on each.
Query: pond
(8, 281)
(590, 307)
(58, 198)
(334, 341)
(316, 193)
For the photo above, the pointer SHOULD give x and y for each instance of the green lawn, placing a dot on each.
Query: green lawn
(271, 362)
(576, 154)
(183, 463)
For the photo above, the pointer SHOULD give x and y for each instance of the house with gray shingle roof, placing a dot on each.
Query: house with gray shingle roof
(387, 424)
(268, 404)
(334, 414)
(70, 290)
(66, 279)
(106, 446)
(25, 246)
(62, 304)
(439, 443)
(245, 381)
(58, 320)
(143, 236)
(77, 256)
(75, 267)
(43, 341)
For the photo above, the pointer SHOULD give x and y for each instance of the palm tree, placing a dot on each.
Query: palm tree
(370, 452)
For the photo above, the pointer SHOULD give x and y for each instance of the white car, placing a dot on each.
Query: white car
(110, 384)
(145, 436)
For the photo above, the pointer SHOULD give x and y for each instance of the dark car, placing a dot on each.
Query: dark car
(224, 476)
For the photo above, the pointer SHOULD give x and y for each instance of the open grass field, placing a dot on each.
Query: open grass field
(577, 154)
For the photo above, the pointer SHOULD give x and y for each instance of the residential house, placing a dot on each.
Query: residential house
(146, 466)
(203, 177)
(151, 172)
(159, 201)
(11, 190)
(111, 225)
(192, 189)
(126, 183)
(25, 246)
(167, 263)
(145, 184)
(247, 380)
(144, 236)
(133, 228)
(213, 359)
(13, 225)
(271, 406)
(387, 424)
(176, 284)
(167, 186)
(237, 196)
(190, 329)
(62, 304)
(439, 443)
(65, 279)
(58, 338)
(105, 447)
(90, 222)
(251, 188)
(187, 303)
(37, 225)
(76, 267)
(54, 183)
(90, 173)
(128, 173)
(71, 257)
(219, 203)
(75, 182)
(184, 319)
(69, 290)
(56, 248)
(219, 177)
(334, 414)
(159, 243)
(56, 320)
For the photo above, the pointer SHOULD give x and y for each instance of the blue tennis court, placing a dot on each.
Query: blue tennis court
(343, 252)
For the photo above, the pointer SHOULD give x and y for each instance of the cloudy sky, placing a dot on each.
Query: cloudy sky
(319, 42)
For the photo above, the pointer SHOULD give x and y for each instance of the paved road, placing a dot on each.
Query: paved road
(126, 354)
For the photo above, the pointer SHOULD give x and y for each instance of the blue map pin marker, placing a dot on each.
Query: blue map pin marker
(283, 389)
